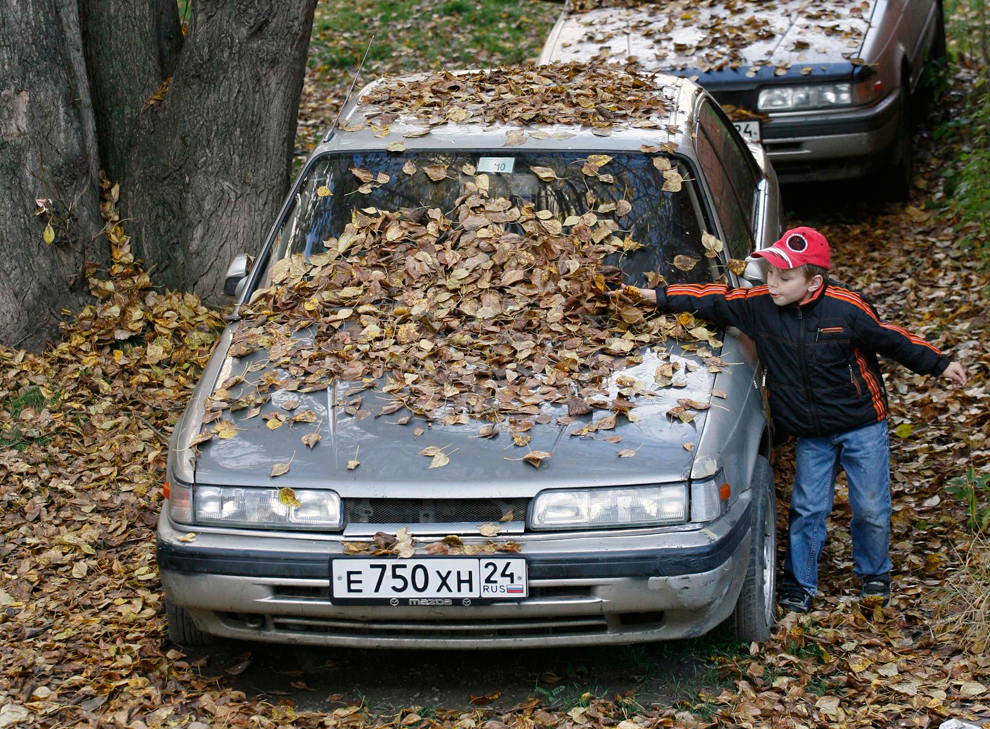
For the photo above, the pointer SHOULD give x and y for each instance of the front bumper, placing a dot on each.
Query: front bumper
(585, 589)
(823, 146)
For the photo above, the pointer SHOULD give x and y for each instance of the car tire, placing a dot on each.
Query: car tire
(182, 629)
(753, 616)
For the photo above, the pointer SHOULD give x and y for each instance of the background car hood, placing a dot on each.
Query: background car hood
(390, 464)
(805, 33)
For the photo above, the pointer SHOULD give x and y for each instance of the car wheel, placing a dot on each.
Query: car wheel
(898, 177)
(753, 616)
(182, 630)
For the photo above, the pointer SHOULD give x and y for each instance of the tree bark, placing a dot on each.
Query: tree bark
(209, 164)
(132, 47)
(198, 131)
(47, 151)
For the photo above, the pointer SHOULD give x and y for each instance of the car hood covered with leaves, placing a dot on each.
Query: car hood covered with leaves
(791, 36)
(397, 457)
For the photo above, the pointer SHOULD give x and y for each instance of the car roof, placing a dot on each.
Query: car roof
(792, 36)
(365, 124)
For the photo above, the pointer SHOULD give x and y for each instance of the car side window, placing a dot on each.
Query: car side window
(731, 176)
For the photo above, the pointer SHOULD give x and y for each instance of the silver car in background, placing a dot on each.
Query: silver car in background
(827, 86)
(593, 565)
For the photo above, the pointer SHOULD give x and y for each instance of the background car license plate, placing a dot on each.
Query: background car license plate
(750, 130)
(398, 581)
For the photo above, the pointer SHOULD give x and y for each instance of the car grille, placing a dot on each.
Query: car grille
(448, 629)
(433, 511)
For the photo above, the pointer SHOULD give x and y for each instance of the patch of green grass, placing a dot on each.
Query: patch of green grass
(13, 437)
(413, 35)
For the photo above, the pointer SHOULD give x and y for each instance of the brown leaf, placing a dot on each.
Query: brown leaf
(685, 263)
(436, 172)
(439, 460)
(535, 458)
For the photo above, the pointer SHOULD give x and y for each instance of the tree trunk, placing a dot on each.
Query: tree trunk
(132, 47)
(210, 163)
(47, 151)
(198, 131)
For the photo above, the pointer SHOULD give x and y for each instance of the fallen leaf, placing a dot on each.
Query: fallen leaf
(535, 458)
(439, 460)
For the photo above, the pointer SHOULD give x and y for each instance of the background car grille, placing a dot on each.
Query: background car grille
(433, 511)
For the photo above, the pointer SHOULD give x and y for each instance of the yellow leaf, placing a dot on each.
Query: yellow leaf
(323, 191)
(439, 460)
(49, 234)
(287, 496)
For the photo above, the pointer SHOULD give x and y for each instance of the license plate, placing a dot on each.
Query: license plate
(428, 581)
(750, 130)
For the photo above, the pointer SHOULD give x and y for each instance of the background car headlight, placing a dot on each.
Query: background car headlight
(610, 508)
(267, 508)
(819, 96)
(807, 96)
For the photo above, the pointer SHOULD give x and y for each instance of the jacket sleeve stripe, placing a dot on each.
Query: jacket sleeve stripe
(855, 300)
(871, 383)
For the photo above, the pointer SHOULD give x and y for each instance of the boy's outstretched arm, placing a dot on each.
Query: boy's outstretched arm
(899, 344)
(714, 302)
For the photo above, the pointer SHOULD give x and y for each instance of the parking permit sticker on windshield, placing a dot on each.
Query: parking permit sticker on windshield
(497, 164)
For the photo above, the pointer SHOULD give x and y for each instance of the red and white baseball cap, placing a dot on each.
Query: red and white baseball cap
(797, 247)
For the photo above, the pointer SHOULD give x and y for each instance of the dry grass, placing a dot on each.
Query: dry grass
(963, 606)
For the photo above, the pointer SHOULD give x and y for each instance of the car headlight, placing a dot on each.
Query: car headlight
(610, 508)
(267, 508)
(819, 96)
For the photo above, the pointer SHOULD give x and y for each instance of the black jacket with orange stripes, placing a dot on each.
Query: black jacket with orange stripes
(820, 357)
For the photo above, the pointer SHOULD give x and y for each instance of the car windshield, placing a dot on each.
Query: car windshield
(626, 188)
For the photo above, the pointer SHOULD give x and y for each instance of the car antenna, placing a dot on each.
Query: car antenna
(351, 89)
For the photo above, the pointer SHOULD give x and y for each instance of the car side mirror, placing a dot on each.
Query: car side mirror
(237, 274)
(755, 273)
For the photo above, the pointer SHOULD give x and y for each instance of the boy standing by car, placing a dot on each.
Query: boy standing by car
(819, 342)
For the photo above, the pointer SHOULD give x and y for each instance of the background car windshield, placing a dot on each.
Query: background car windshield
(667, 223)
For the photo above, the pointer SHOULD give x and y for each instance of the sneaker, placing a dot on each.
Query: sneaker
(794, 599)
(875, 592)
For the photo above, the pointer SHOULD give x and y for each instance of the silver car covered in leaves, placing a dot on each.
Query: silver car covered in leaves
(425, 426)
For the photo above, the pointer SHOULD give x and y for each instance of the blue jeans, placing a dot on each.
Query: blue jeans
(864, 454)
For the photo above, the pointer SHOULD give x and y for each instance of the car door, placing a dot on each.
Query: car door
(917, 14)
(733, 178)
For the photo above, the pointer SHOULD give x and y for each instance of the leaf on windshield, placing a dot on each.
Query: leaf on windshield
(436, 172)
(409, 168)
(323, 191)
(544, 173)
(362, 175)
(672, 181)
(662, 164)
(395, 147)
(685, 263)
(713, 246)
(311, 440)
(622, 208)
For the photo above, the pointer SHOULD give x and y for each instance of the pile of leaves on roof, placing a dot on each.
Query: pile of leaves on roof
(558, 94)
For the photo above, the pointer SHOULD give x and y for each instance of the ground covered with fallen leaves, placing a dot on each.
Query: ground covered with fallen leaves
(83, 431)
